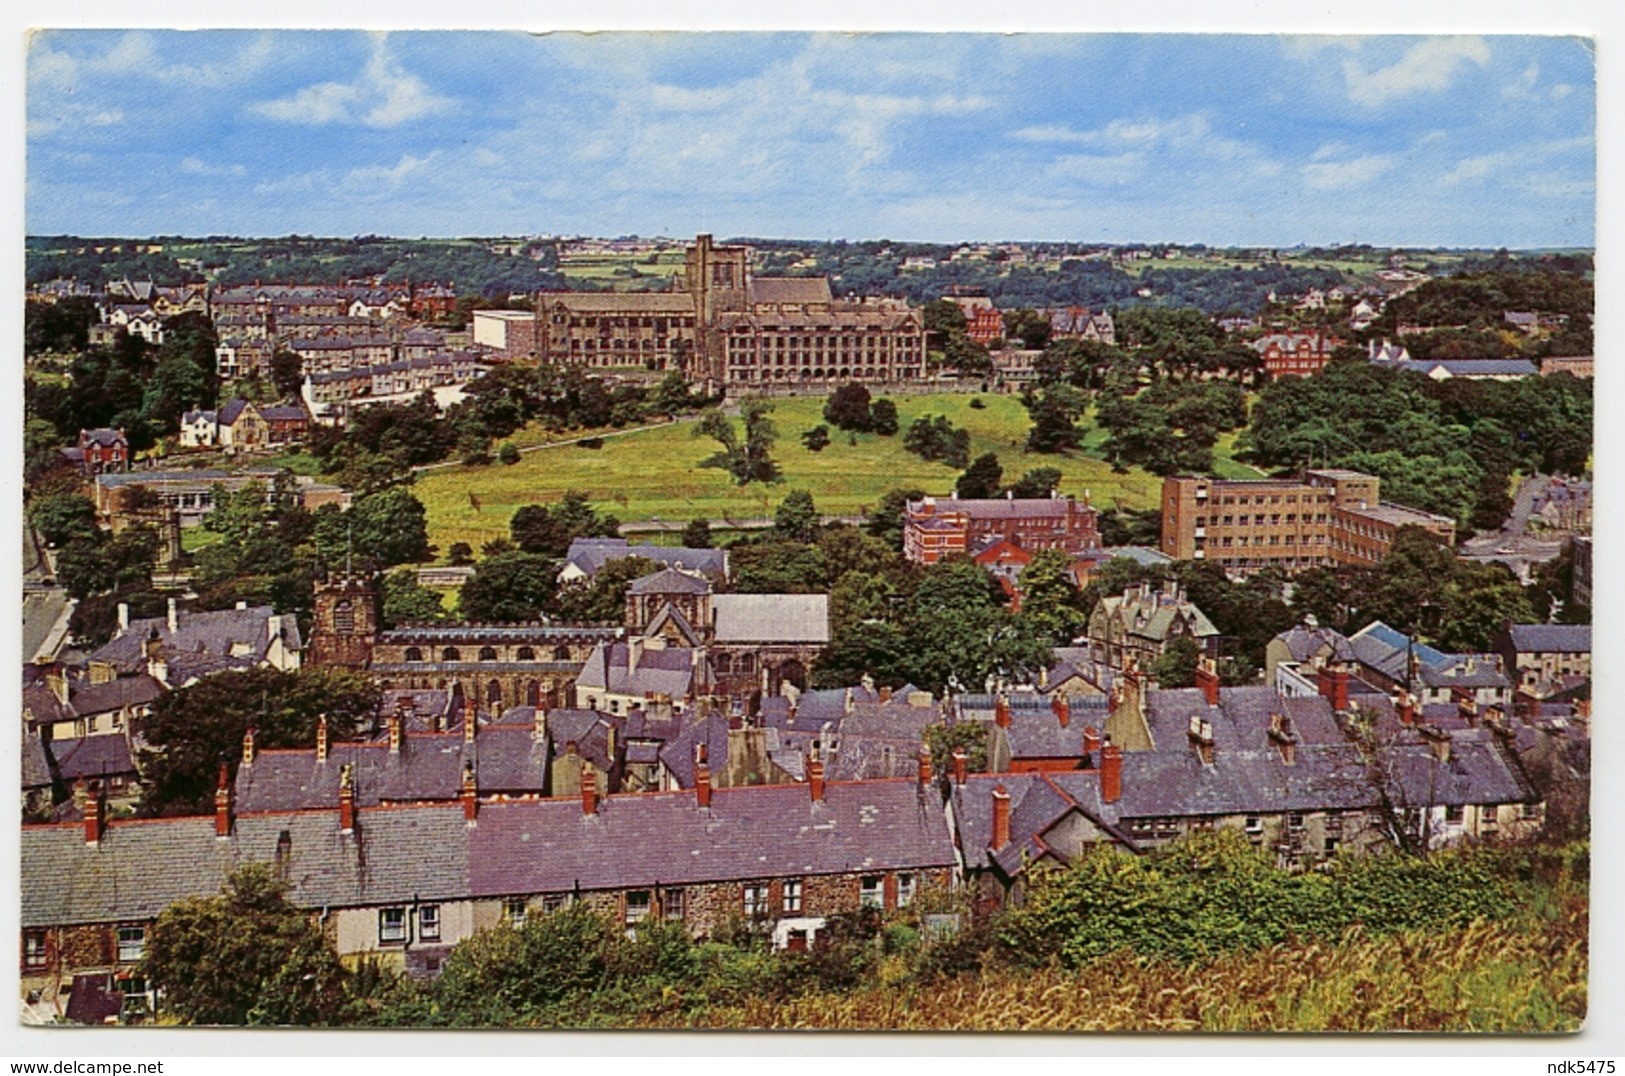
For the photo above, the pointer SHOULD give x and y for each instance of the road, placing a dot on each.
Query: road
(1512, 545)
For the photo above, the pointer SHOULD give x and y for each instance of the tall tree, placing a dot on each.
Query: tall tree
(245, 957)
(981, 479)
(748, 459)
(509, 587)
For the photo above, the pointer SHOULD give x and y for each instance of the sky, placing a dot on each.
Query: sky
(1421, 141)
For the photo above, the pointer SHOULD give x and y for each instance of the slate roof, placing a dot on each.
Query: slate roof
(1037, 802)
(788, 289)
(669, 581)
(91, 756)
(591, 554)
(588, 729)
(678, 754)
(760, 831)
(1304, 642)
(1473, 367)
(202, 642)
(138, 870)
(1475, 772)
(429, 768)
(668, 671)
(1383, 649)
(771, 618)
(1551, 638)
(85, 699)
(101, 435)
(36, 763)
(1466, 670)
(232, 411)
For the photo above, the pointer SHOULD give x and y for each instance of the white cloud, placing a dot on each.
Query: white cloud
(136, 55)
(55, 115)
(371, 176)
(1099, 171)
(1427, 65)
(196, 167)
(384, 95)
(1344, 175)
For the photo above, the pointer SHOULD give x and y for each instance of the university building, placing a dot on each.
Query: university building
(728, 329)
(1329, 517)
(938, 528)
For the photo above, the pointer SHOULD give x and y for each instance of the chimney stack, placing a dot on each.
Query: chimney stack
(321, 738)
(1091, 739)
(394, 723)
(589, 789)
(470, 721)
(885, 694)
(961, 765)
(1063, 709)
(1438, 739)
(1001, 818)
(1467, 707)
(1111, 773)
(815, 777)
(1284, 738)
(1405, 707)
(925, 765)
(471, 793)
(1200, 734)
(95, 813)
(1207, 678)
(174, 617)
(123, 617)
(1001, 711)
(248, 746)
(222, 805)
(702, 777)
(346, 799)
(1334, 686)
(538, 730)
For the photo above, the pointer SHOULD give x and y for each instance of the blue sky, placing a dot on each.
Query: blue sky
(1485, 141)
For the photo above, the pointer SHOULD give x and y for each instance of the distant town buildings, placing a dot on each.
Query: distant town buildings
(935, 528)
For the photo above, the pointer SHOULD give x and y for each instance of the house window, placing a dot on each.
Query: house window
(391, 926)
(792, 897)
(905, 890)
(1530, 810)
(525, 653)
(673, 903)
(871, 892)
(554, 902)
(414, 653)
(637, 906)
(451, 653)
(488, 653)
(429, 922)
(132, 943)
(755, 901)
(344, 618)
(1453, 814)
(513, 911)
(34, 949)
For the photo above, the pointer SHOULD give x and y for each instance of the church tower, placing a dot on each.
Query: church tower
(346, 622)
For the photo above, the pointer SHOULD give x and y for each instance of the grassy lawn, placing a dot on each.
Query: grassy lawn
(656, 473)
(196, 538)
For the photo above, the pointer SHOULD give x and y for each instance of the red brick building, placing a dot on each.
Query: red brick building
(1295, 354)
(935, 529)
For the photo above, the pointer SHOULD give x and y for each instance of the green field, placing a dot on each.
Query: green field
(655, 474)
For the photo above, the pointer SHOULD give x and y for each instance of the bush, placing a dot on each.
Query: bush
(508, 454)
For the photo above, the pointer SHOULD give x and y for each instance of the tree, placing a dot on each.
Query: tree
(966, 356)
(943, 318)
(508, 454)
(1055, 413)
(886, 519)
(550, 530)
(848, 408)
(796, 518)
(874, 648)
(748, 459)
(192, 729)
(287, 372)
(697, 534)
(883, 418)
(1050, 601)
(967, 736)
(603, 599)
(509, 587)
(1028, 326)
(382, 529)
(933, 437)
(1036, 483)
(407, 601)
(981, 479)
(776, 567)
(245, 957)
(672, 395)
(62, 517)
(816, 439)
(1176, 665)
(959, 631)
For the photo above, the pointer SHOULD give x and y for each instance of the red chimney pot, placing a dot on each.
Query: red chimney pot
(1063, 709)
(961, 765)
(222, 805)
(702, 777)
(589, 789)
(1111, 773)
(1001, 818)
(815, 778)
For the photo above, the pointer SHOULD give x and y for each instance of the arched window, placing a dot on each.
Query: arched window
(561, 653)
(488, 653)
(745, 664)
(414, 653)
(493, 691)
(344, 617)
(723, 664)
(451, 653)
(525, 653)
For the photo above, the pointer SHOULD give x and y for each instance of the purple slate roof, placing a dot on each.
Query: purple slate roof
(92, 756)
(678, 754)
(1551, 638)
(764, 831)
